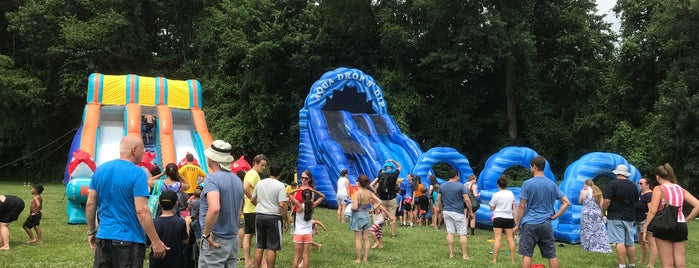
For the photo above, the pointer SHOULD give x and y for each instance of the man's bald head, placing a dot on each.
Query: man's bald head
(131, 149)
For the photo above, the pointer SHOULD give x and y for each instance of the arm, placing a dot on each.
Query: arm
(398, 166)
(253, 198)
(565, 203)
(37, 202)
(520, 213)
(212, 213)
(652, 209)
(475, 192)
(290, 196)
(355, 201)
(285, 216)
(91, 214)
(374, 183)
(439, 202)
(605, 206)
(581, 198)
(247, 189)
(320, 224)
(184, 185)
(320, 198)
(375, 198)
(152, 180)
(144, 217)
(187, 223)
(467, 201)
(689, 198)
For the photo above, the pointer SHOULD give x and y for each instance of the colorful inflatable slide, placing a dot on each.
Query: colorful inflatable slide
(345, 124)
(166, 114)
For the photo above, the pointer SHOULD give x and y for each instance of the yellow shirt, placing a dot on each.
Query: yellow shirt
(253, 178)
(191, 173)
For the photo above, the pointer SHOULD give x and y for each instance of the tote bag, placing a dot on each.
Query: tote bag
(154, 198)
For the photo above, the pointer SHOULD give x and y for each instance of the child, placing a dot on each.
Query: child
(436, 216)
(376, 229)
(303, 227)
(193, 208)
(399, 204)
(422, 205)
(315, 231)
(35, 215)
(172, 230)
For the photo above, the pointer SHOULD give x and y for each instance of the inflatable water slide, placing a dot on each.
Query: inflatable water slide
(166, 114)
(594, 166)
(345, 124)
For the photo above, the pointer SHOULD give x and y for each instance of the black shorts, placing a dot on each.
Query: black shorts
(249, 223)
(268, 229)
(32, 220)
(407, 207)
(399, 213)
(11, 208)
(503, 223)
(115, 253)
(679, 234)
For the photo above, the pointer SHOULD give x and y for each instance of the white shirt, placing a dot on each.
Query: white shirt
(300, 226)
(342, 186)
(502, 201)
(269, 193)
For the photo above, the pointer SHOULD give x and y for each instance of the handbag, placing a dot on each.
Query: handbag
(664, 221)
(154, 198)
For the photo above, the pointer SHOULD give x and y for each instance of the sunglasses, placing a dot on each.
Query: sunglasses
(305, 178)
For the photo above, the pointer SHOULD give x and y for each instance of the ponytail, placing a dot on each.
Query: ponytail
(307, 204)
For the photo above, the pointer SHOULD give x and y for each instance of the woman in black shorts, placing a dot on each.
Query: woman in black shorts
(502, 205)
(10, 208)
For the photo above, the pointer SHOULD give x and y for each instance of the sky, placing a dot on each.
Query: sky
(604, 7)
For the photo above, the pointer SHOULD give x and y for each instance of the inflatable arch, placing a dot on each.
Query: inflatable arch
(494, 167)
(423, 166)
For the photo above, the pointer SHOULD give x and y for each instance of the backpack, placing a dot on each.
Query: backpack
(154, 198)
(384, 191)
(475, 203)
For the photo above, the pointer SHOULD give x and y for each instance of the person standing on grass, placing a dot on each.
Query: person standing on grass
(343, 186)
(472, 186)
(303, 227)
(360, 222)
(386, 189)
(34, 218)
(10, 208)
(252, 177)
(535, 213)
(271, 204)
(119, 191)
(620, 196)
(173, 230)
(503, 205)
(406, 188)
(671, 245)
(219, 209)
(452, 197)
(649, 251)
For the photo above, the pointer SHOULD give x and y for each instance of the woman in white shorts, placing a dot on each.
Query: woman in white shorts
(343, 187)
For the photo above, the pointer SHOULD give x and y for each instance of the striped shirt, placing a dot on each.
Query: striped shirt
(673, 195)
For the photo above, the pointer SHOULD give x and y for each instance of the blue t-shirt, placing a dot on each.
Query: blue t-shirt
(230, 190)
(408, 187)
(117, 182)
(540, 193)
(399, 199)
(453, 196)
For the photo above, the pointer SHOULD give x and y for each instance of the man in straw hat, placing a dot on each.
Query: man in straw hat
(619, 199)
(221, 200)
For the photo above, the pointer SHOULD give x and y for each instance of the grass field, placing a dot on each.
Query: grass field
(66, 245)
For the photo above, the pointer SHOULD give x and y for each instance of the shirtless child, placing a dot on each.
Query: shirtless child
(35, 215)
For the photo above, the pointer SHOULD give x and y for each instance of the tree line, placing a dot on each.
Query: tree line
(473, 75)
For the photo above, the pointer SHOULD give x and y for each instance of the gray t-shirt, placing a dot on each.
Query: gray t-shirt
(453, 196)
(269, 193)
(230, 190)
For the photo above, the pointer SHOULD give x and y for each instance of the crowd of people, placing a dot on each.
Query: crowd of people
(205, 219)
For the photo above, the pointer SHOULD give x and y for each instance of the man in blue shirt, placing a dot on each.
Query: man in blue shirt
(451, 197)
(119, 191)
(220, 208)
(535, 213)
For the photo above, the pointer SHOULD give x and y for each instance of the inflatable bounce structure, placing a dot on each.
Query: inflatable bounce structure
(345, 124)
(166, 114)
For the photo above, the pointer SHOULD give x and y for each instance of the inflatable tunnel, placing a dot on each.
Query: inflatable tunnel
(494, 167)
(344, 124)
(166, 114)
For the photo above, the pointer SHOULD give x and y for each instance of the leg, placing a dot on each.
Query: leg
(620, 253)
(510, 235)
(526, 262)
(631, 254)
(497, 233)
(665, 251)
(553, 263)
(365, 237)
(464, 246)
(246, 249)
(39, 237)
(678, 250)
(30, 234)
(306, 255)
(358, 245)
(4, 236)
(298, 254)
(450, 244)
(644, 248)
(271, 258)
(259, 254)
(652, 248)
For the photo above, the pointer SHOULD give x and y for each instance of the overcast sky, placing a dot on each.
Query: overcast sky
(604, 7)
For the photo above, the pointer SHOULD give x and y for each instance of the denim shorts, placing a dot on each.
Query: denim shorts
(620, 232)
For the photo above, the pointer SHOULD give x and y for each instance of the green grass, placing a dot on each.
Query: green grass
(66, 245)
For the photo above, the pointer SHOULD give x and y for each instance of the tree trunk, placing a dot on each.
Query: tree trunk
(510, 98)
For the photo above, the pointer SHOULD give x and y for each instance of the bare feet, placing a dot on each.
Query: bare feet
(374, 245)
(357, 261)
(465, 257)
(7, 247)
(319, 246)
(30, 241)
